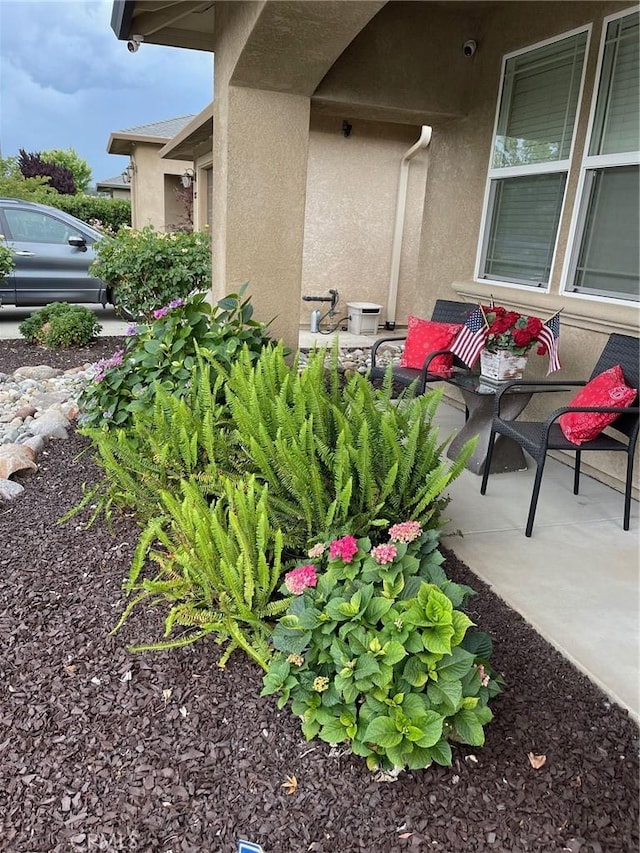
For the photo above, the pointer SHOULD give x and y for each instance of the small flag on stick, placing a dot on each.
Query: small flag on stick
(471, 338)
(550, 337)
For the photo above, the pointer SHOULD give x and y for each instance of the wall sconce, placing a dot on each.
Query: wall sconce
(346, 128)
(127, 175)
(187, 178)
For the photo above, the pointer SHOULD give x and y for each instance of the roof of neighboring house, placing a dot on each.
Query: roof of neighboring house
(182, 146)
(157, 133)
(115, 183)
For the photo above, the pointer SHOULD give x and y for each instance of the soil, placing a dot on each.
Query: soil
(103, 749)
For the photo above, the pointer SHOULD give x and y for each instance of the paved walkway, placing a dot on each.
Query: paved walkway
(575, 580)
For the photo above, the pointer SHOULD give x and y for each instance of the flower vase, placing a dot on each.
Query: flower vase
(502, 365)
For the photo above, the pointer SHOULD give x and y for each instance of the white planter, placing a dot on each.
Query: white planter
(502, 365)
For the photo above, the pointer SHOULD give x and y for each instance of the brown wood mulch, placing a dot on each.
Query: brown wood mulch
(101, 749)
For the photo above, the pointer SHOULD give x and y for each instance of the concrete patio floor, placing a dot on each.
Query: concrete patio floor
(575, 580)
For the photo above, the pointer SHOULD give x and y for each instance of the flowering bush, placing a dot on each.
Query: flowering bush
(147, 269)
(165, 351)
(508, 330)
(374, 652)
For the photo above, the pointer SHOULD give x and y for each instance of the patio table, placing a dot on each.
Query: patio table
(479, 395)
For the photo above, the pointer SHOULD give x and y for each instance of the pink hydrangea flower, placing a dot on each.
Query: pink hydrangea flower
(177, 303)
(316, 551)
(105, 364)
(384, 554)
(159, 313)
(300, 578)
(345, 548)
(484, 678)
(406, 531)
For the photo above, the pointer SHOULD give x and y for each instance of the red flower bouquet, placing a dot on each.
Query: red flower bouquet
(509, 331)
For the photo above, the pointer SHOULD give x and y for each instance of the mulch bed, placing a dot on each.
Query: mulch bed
(101, 749)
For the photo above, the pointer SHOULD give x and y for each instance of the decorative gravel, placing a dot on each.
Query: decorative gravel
(102, 749)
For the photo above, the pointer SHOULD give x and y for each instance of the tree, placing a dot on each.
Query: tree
(60, 177)
(13, 183)
(78, 167)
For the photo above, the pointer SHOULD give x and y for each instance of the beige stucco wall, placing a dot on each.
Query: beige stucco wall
(152, 201)
(352, 186)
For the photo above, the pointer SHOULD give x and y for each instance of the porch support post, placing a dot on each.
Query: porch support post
(261, 142)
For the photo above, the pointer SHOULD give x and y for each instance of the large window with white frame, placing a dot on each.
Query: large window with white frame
(532, 147)
(605, 255)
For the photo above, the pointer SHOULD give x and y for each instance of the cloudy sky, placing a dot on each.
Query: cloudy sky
(67, 82)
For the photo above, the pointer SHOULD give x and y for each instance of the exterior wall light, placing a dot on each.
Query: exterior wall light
(127, 175)
(187, 178)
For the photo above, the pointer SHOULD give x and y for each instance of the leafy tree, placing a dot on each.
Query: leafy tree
(13, 183)
(60, 177)
(78, 167)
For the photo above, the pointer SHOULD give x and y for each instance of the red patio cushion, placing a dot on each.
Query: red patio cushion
(606, 389)
(424, 337)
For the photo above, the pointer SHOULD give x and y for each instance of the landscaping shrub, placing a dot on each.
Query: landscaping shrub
(374, 652)
(337, 454)
(165, 351)
(148, 269)
(219, 567)
(111, 213)
(60, 325)
(6, 259)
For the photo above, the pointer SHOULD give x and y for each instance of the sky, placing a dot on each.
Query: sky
(67, 82)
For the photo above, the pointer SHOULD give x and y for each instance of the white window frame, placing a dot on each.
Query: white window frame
(556, 166)
(588, 165)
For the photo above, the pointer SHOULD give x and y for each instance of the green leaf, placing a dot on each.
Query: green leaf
(447, 694)
(333, 732)
(431, 726)
(441, 752)
(455, 665)
(468, 728)
(382, 731)
(394, 652)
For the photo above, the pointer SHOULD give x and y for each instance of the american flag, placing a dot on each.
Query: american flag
(471, 337)
(550, 337)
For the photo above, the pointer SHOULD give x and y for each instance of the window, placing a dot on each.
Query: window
(530, 160)
(30, 226)
(606, 250)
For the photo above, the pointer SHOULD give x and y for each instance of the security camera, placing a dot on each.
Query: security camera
(469, 48)
(134, 43)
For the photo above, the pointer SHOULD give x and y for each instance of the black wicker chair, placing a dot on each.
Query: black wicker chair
(537, 438)
(444, 311)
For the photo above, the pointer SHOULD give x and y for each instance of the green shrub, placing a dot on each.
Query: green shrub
(111, 213)
(219, 567)
(147, 269)
(374, 652)
(165, 351)
(60, 325)
(337, 455)
(6, 259)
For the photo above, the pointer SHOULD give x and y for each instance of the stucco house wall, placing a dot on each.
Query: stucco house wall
(298, 207)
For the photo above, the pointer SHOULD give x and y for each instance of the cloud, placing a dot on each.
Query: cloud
(67, 82)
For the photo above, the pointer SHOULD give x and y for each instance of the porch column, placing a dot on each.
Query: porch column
(260, 166)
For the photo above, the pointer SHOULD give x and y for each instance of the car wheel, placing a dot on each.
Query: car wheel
(123, 311)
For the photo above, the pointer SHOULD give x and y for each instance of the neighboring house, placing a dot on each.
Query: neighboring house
(528, 191)
(116, 187)
(157, 192)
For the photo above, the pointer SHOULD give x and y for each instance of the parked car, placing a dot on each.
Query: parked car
(52, 251)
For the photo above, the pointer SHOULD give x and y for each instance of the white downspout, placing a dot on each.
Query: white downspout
(401, 206)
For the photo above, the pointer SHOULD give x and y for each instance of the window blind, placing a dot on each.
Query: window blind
(608, 262)
(525, 213)
(539, 104)
(617, 121)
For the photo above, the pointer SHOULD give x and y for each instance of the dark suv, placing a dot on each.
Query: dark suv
(52, 251)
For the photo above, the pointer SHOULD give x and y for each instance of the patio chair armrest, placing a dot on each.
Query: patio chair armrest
(425, 365)
(530, 386)
(563, 410)
(379, 342)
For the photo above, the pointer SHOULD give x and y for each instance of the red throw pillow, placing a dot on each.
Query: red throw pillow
(606, 389)
(424, 337)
